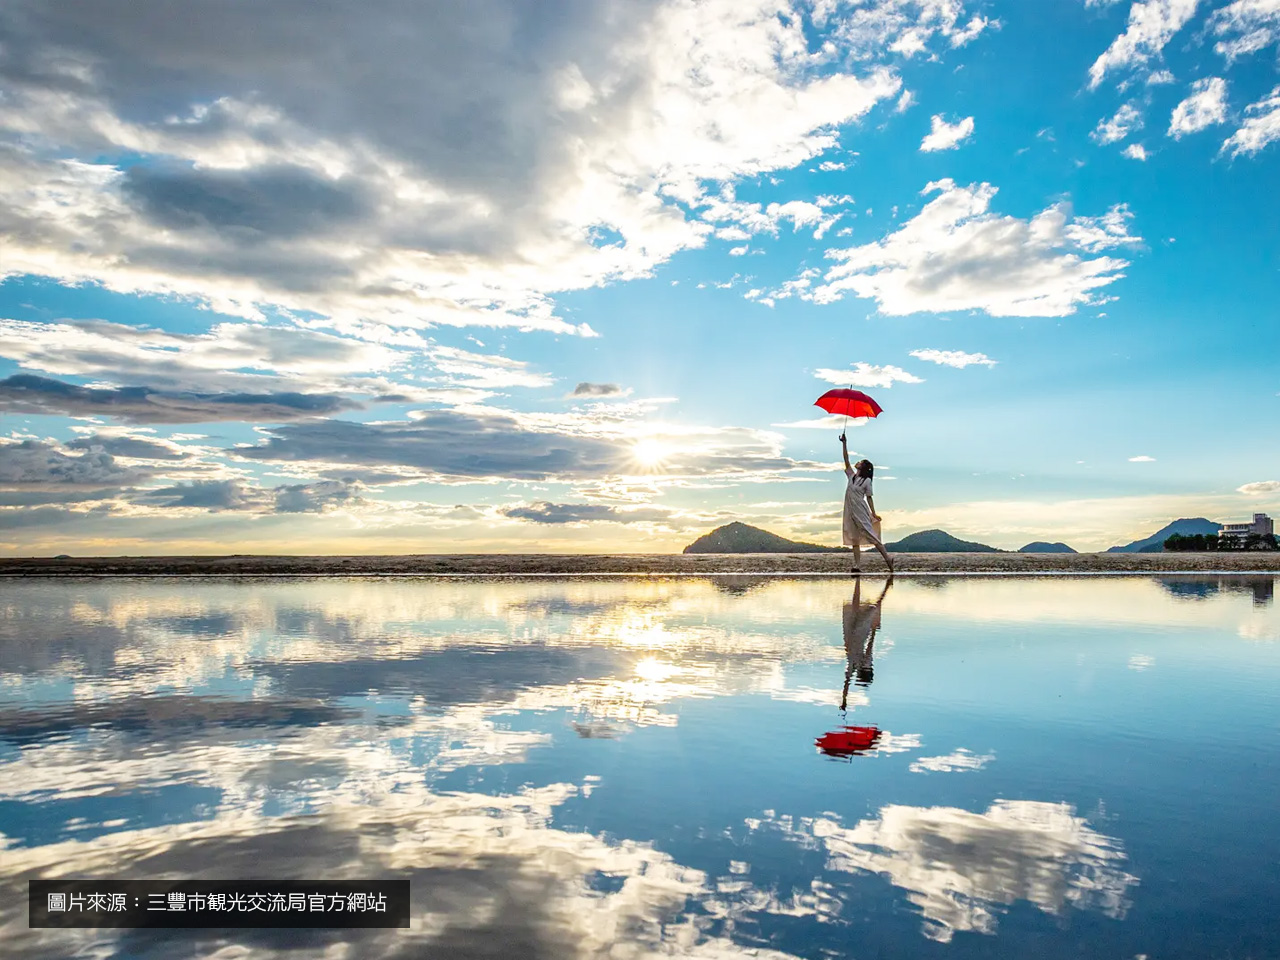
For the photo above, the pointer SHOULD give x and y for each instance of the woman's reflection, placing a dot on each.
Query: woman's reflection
(861, 621)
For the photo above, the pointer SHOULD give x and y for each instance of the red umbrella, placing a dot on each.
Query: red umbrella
(852, 403)
(848, 741)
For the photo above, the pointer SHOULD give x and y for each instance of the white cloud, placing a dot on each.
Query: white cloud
(798, 287)
(227, 368)
(972, 30)
(1261, 127)
(1260, 487)
(1206, 106)
(953, 358)
(868, 375)
(1095, 234)
(1152, 24)
(303, 176)
(1246, 26)
(820, 423)
(906, 101)
(905, 26)
(1158, 77)
(1127, 119)
(1142, 459)
(802, 213)
(1135, 151)
(756, 218)
(956, 762)
(827, 165)
(483, 371)
(946, 136)
(955, 255)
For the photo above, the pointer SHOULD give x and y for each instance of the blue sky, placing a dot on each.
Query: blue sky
(398, 277)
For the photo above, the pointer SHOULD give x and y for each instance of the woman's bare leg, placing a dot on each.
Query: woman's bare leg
(884, 553)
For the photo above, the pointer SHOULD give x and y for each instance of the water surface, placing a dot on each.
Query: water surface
(1055, 767)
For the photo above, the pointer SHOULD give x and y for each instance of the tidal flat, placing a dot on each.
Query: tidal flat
(524, 564)
(721, 766)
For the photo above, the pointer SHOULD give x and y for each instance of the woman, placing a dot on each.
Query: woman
(860, 517)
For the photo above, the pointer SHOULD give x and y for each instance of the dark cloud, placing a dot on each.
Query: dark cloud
(585, 389)
(488, 138)
(29, 394)
(277, 202)
(235, 494)
(446, 442)
(370, 478)
(138, 447)
(36, 498)
(22, 518)
(545, 512)
(315, 497)
(492, 444)
(216, 362)
(416, 77)
(215, 495)
(34, 462)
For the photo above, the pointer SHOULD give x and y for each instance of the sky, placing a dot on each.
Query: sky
(567, 276)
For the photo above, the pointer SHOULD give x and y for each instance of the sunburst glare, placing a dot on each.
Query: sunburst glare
(651, 452)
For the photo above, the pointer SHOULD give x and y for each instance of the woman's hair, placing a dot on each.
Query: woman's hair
(864, 468)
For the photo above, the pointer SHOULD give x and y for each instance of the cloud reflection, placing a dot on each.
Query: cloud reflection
(489, 876)
(959, 868)
(380, 727)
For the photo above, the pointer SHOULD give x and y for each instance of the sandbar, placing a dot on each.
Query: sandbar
(642, 564)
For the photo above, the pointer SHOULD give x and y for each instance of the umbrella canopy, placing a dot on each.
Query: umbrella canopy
(848, 741)
(850, 403)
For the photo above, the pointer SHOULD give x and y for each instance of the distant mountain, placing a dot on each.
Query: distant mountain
(1188, 527)
(743, 538)
(937, 541)
(1040, 546)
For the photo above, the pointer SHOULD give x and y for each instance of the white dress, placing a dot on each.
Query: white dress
(859, 527)
(860, 622)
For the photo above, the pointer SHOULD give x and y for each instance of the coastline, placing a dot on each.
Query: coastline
(1021, 564)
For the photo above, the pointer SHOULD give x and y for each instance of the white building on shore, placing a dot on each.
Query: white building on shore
(1261, 525)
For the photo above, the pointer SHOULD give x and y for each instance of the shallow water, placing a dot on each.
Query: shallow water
(1056, 767)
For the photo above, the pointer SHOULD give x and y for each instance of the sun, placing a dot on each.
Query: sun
(650, 452)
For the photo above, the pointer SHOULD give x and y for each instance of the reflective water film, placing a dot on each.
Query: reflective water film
(714, 768)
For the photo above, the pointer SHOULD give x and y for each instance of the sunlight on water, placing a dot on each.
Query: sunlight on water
(713, 767)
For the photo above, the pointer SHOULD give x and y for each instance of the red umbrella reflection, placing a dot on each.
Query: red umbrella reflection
(848, 741)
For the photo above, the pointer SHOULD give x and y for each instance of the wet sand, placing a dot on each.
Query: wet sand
(644, 564)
